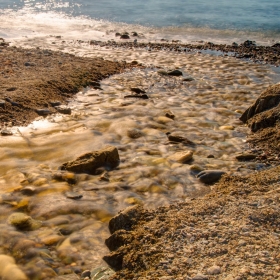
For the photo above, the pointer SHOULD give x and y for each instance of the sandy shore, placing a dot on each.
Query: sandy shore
(232, 233)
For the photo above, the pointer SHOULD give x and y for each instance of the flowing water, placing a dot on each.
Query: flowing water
(207, 103)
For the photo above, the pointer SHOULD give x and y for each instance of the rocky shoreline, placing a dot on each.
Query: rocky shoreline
(231, 233)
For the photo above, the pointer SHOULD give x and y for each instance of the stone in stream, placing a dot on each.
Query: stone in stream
(179, 139)
(9, 270)
(6, 132)
(169, 114)
(138, 90)
(124, 36)
(245, 156)
(55, 103)
(23, 222)
(134, 133)
(43, 112)
(142, 96)
(175, 73)
(210, 176)
(181, 157)
(90, 162)
(63, 109)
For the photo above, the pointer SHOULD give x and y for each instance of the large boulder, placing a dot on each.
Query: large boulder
(90, 162)
(265, 112)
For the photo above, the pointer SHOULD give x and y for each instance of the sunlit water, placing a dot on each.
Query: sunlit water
(207, 107)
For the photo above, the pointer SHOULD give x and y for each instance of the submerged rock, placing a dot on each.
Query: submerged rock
(181, 157)
(88, 163)
(23, 222)
(9, 270)
(210, 176)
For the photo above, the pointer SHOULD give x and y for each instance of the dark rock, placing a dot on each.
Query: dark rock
(94, 84)
(135, 34)
(138, 90)
(43, 112)
(11, 89)
(169, 114)
(179, 139)
(88, 163)
(125, 219)
(249, 43)
(85, 274)
(114, 260)
(210, 176)
(118, 34)
(142, 96)
(265, 111)
(6, 132)
(210, 156)
(125, 36)
(175, 73)
(245, 156)
(63, 110)
(55, 103)
(117, 239)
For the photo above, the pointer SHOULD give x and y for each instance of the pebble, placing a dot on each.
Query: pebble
(245, 156)
(23, 222)
(175, 73)
(43, 112)
(182, 157)
(214, 270)
(210, 176)
(63, 110)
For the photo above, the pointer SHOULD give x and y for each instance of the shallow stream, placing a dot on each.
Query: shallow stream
(206, 101)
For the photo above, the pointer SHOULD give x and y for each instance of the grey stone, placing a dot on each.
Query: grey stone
(210, 176)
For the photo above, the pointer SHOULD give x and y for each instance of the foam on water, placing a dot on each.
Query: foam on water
(26, 22)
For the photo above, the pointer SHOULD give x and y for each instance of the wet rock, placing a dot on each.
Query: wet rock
(181, 157)
(73, 195)
(63, 110)
(43, 112)
(179, 139)
(169, 114)
(6, 132)
(124, 36)
(85, 274)
(118, 34)
(249, 43)
(134, 133)
(103, 273)
(188, 79)
(23, 222)
(135, 34)
(176, 73)
(55, 103)
(125, 219)
(265, 111)
(138, 90)
(210, 176)
(142, 96)
(88, 163)
(245, 156)
(9, 270)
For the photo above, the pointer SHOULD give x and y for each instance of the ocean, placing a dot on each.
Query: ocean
(218, 21)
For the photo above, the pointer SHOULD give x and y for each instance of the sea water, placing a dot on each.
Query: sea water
(186, 20)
